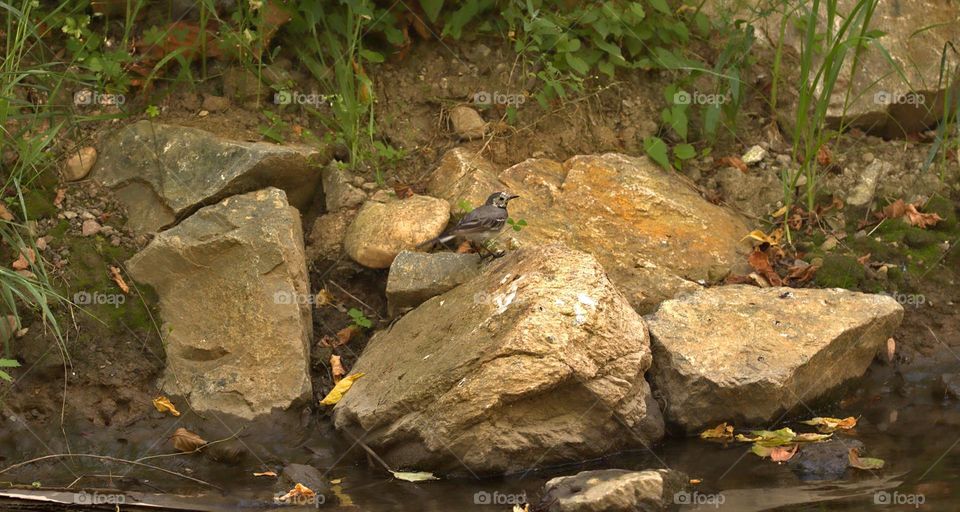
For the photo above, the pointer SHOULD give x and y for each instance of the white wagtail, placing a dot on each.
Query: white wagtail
(480, 224)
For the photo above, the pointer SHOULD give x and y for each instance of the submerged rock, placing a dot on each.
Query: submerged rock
(747, 354)
(827, 460)
(416, 276)
(650, 229)
(382, 229)
(162, 173)
(537, 361)
(236, 325)
(615, 490)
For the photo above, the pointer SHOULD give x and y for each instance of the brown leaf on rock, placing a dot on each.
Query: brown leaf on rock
(27, 258)
(783, 453)
(336, 368)
(760, 261)
(186, 441)
(732, 161)
(118, 278)
(402, 191)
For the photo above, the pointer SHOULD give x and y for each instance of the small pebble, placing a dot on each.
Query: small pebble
(90, 227)
(79, 164)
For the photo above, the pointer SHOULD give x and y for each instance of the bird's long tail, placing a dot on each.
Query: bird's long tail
(442, 239)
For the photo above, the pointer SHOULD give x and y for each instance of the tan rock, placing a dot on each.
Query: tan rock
(382, 229)
(78, 164)
(467, 123)
(747, 354)
(538, 360)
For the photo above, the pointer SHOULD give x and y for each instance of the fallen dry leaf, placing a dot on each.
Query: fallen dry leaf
(117, 278)
(299, 492)
(336, 394)
(827, 425)
(5, 213)
(163, 404)
(891, 349)
(760, 261)
(266, 473)
(783, 453)
(864, 462)
(899, 208)
(325, 298)
(722, 432)
(336, 368)
(27, 258)
(346, 334)
(186, 441)
(464, 248)
(801, 274)
(732, 161)
(823, 156)
(402, 191)
(695, 481)
(863, 260)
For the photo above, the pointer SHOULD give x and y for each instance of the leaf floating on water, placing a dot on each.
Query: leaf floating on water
(163, 404)
(891, 349)
(827, 425)
(343, 498)
(773, 438)
(336, 394)
(186, 441)
(695, 481)
(299, 492)
(266, 473)
(722, 432)
(762, 451)
(783, 453)
(414, 476)
(864, 462)
(746, 439)
(811, 438)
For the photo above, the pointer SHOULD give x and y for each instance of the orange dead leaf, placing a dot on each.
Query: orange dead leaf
(732, 161)
(403, 191)
(27, 257)
(801, 274)
(863, 260)
(266, 473)
(163, 404)
(899, 208)
(117, 278)
(783, 453)
(346, 334)
(760, 261)
(186, 441)
(61, 195)
(5, 213)
(823, 156)
(299, 492)
(891, 349)
(336, 368)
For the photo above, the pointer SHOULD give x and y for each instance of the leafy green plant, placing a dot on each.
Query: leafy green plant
(7, 363)
(517, 225)
(359, 319)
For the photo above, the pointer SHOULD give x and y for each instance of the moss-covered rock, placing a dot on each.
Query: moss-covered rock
(946, 210)
(919, 238)
(840, 271)
(39, 204)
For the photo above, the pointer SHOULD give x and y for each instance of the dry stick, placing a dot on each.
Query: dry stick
(108, 459)
(362, 303)
(365, 447)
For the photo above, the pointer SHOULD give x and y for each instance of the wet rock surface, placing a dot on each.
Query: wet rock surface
(538, 360)
(614, 490)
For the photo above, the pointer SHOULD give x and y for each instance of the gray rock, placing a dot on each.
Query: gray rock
(162, 173)
(827, 460)
(467, 123)
(416, 276)
(325, 241)
(308, 476)
(950, 383)
(863, 191)
(615, 490)
(747, 354)
(382, 229)
(236, 322)
(338, 189)
(537, 361)
(754, 155)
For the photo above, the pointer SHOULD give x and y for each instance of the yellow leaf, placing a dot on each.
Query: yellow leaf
(780, 213)
(266, 473)
(414, 476)
(761, 237)
(163, 404)
(827, 425)
(722, 431)
(336, 394)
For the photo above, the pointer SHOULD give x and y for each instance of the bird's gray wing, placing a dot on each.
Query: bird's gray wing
(481, 219)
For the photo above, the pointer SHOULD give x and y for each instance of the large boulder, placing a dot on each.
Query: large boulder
(749, 354)
(163, 173)
(384, 228)
(232, 292)
(615, 490)
(539, 360)
(650, 229)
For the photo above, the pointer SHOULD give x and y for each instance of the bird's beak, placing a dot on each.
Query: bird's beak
(511, 196)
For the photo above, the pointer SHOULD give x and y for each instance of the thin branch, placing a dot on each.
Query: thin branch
(108, 459)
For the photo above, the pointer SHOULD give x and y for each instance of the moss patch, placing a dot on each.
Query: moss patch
(840, 271)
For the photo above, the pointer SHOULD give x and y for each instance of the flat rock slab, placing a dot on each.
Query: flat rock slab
(652, 232)
(749, 354)
(615, 490)
(415, 276)
(537, 361)
(236, 325)
(162, 173)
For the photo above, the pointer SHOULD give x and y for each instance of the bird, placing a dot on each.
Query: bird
(480, 224)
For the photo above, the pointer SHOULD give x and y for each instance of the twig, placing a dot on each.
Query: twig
(367, 449)
(108, 459)
(362, 303)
